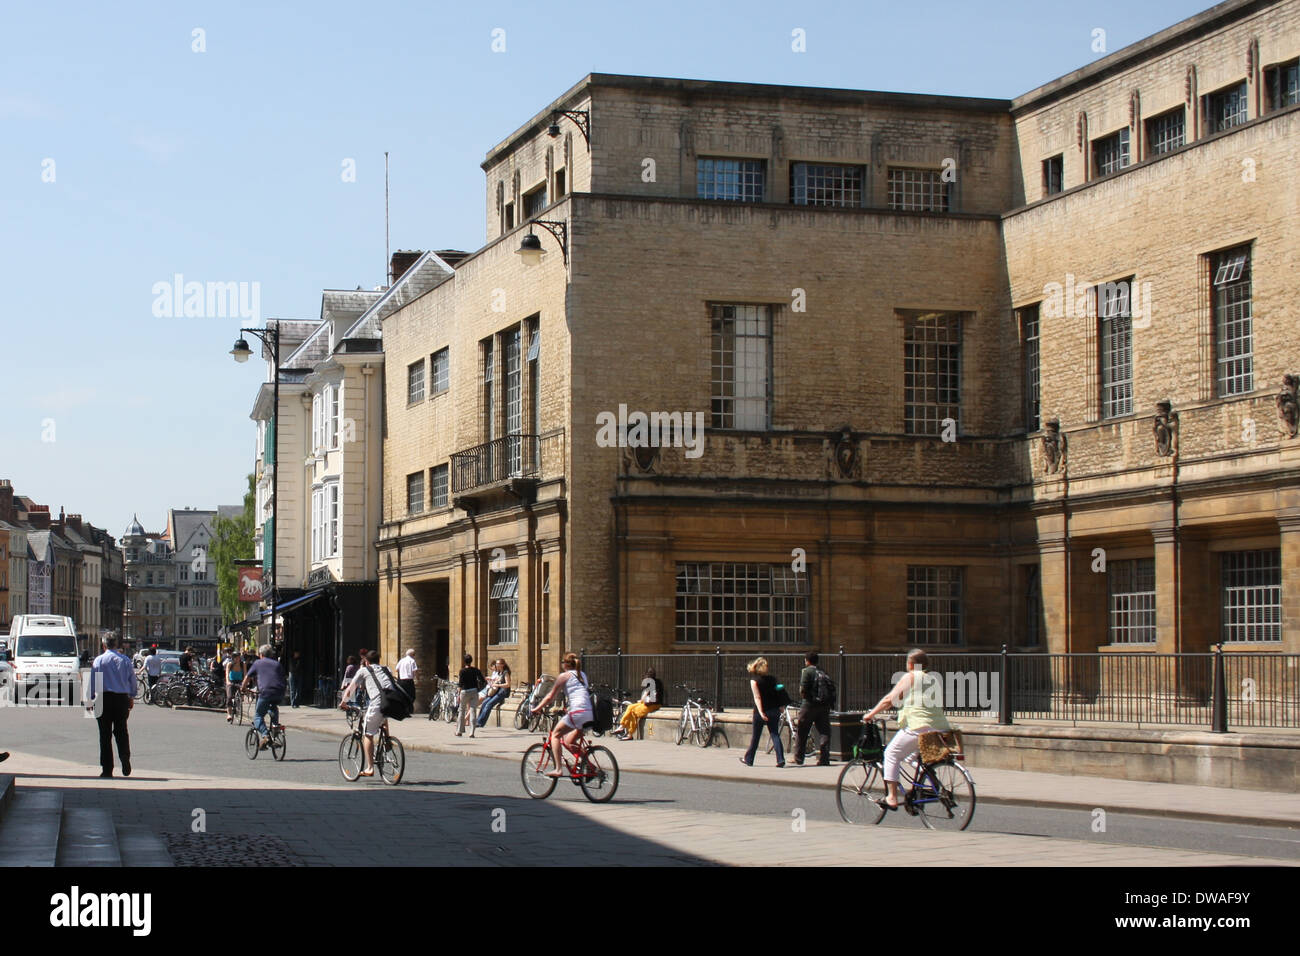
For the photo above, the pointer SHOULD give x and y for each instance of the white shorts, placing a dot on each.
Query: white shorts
(576, 719)
(374, 719)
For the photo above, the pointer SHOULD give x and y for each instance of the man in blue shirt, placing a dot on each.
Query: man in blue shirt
(269, 677)
(112, 695)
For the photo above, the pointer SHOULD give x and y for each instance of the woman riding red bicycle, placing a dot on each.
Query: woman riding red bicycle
(578, 715)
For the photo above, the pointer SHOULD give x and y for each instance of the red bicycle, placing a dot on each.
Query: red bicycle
(594, 769)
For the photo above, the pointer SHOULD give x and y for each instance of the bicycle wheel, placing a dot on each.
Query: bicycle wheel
(279, 743)
(521, 715)
(435, 708)
(683, 726)
(140, 686)
(704, 732)
(237, 707)
(598, 773)
(945, 796)
(449, 708)
(351, 758)
(177, 694)
(251, 744)
(859, 786)
(536, 764)
(394, 761)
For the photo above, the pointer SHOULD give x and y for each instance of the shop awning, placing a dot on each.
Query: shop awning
(296, 602)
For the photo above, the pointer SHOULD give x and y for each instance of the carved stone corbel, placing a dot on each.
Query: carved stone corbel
(1053, 447)
(1288, 406)
(1166, 430)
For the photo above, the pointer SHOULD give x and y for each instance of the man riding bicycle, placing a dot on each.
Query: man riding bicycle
(369, 677)
(269, 677)
(577, 716)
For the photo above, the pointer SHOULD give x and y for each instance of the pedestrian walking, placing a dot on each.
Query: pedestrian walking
(112, 695)
(295, 678)
(152, 666)
(471, 682)
(406, 669)
(498, 689)
(652, 696)
(767, 710)
(817, 697)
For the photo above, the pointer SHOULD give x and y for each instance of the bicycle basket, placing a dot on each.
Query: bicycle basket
(937, 746)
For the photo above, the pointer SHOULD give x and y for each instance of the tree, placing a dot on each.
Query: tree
(232, 540)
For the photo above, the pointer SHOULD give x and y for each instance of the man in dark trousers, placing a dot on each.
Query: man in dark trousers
(112, 695)
(813, 712)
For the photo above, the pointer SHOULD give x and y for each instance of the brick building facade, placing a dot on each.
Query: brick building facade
(928, 339)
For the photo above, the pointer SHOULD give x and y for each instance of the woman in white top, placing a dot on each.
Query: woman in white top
(578, 714)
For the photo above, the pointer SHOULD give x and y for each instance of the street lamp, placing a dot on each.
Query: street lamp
(270, 337)
(530, 248)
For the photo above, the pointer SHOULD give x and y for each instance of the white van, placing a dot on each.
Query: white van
(44, 657)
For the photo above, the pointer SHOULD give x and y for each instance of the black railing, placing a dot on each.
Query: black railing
(1253, 690)
(511, 456)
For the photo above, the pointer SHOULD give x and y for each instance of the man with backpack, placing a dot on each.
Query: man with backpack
(377, 681)
(817, 691)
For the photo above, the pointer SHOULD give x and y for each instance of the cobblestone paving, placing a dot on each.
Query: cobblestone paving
(223, 849)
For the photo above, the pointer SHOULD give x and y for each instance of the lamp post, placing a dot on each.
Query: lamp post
(270, 337)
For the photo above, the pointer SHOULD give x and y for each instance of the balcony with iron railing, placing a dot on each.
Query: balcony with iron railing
(513, 463)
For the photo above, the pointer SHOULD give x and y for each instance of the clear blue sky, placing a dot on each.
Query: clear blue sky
(225, 166)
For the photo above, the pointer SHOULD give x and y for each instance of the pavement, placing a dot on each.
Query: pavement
(1005, 787)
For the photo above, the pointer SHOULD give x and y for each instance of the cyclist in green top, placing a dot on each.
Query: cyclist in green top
(919, 699)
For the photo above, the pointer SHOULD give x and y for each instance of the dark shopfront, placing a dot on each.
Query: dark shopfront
(327, 625)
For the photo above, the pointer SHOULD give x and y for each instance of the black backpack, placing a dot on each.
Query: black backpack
(395, 704)
(659, 691)
(823, 689)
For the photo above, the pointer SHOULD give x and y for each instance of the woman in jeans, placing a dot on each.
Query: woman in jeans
(766, 711)
(919, 699)
(498, 689)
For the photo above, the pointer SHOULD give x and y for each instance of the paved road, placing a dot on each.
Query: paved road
(189, 760)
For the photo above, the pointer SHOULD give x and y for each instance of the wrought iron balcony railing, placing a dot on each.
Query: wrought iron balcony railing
(509, 458)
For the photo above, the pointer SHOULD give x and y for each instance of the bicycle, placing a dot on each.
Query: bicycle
(278, 744)
(788, 730)
(235, 706)
(525, 719)
(435, 705)
(390, 755)
(450, 701)
(697, 718)
(941, 793)
(593, 769)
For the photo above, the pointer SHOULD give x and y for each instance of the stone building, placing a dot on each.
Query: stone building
(150, 568)
(198, 612)
(807, 367)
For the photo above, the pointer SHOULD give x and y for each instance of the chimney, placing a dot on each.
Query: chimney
(38, 516)
(402, 261)
(6, 500)
(74, 522)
